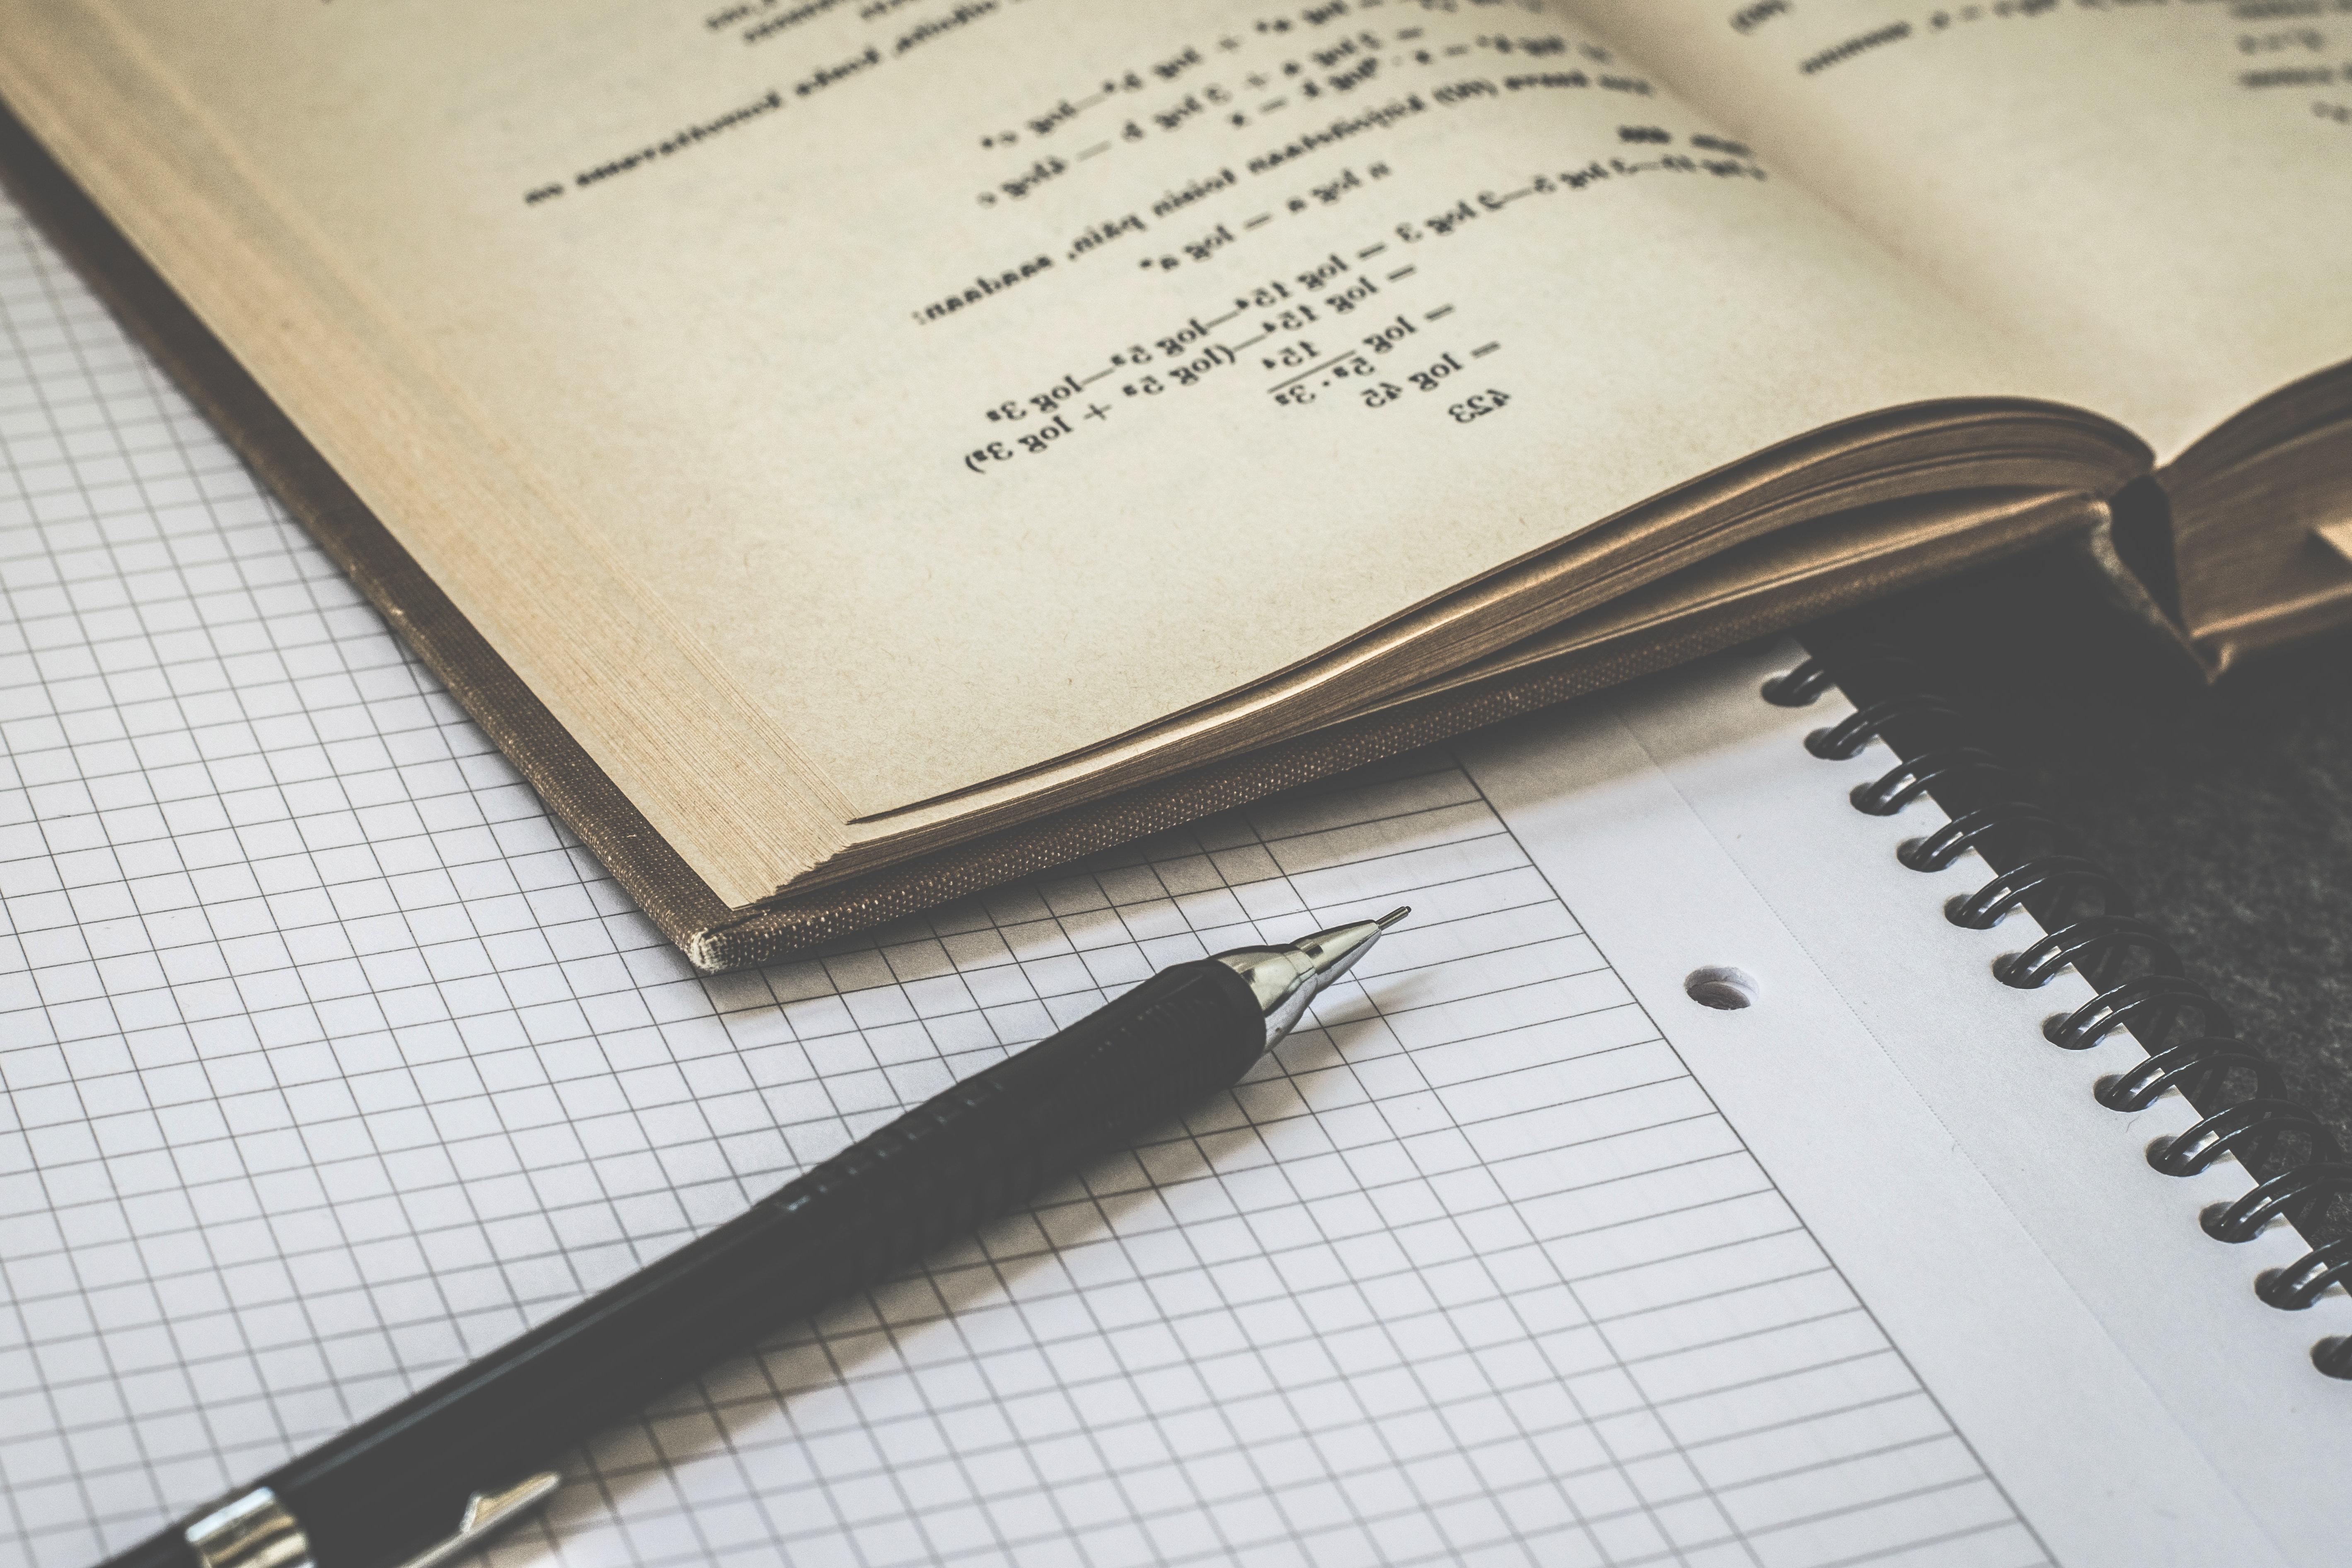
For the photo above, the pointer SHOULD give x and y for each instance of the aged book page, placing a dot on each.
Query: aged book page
(830, 407)
(2158, 190)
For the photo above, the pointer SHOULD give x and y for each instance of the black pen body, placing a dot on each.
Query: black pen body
(399, 1482)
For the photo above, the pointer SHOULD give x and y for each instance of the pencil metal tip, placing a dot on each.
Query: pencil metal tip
(1284, 979)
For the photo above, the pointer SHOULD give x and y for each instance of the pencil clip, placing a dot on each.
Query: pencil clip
(486, 1514)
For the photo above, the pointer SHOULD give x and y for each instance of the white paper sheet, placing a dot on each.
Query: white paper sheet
(2109, 1361)
(2229, 1369)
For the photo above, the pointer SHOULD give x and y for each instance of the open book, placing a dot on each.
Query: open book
(849, 454)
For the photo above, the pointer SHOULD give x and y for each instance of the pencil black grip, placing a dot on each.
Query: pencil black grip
(990, 1141)
(399, 1482)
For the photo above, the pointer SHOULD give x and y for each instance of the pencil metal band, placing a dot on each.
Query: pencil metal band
(487, 1513)
(254, 1531)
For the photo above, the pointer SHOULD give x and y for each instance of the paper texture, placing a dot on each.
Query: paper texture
(716, 467)
(2155, 192)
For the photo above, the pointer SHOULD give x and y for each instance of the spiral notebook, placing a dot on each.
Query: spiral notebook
(331, 1060)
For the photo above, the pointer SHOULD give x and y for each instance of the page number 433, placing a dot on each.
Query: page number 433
(1478, 405)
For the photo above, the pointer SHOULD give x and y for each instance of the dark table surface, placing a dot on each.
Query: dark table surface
(2226, 812)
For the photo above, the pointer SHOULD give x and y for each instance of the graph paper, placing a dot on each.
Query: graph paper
(332, 1060)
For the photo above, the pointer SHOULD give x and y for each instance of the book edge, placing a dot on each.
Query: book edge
(790, 925)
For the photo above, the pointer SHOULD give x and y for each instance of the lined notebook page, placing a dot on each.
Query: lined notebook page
(332, 1061)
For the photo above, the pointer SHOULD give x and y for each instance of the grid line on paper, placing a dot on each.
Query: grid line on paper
(1888, 1348)
(1519, 1429)
(315, 1024)
(162, 1276)
(21, 1330)
(1616, 1460)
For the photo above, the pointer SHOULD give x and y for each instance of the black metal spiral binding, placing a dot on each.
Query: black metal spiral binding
(2092, 928)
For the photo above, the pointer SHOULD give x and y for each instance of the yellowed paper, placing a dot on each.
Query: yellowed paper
(829, 406)
(2158, 191)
